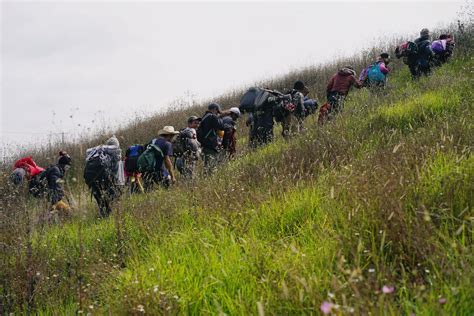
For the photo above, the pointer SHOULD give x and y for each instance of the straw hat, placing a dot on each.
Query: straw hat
(167, 130)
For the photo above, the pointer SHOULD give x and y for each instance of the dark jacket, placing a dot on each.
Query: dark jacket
(54, 175)
(343, 81)
(425, 52)
(207, 131)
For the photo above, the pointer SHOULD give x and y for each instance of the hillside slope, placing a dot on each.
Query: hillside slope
(372, 212)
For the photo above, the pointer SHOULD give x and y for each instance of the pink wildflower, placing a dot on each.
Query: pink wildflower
(442, 301)
(388, 289)
(326, 307)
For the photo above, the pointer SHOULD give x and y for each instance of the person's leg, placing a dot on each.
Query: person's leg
(286, 123)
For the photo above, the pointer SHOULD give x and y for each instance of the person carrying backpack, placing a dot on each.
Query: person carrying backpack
(293, 120)
(207, 133)
(54, 178)
(155, 162)
(187, 148)
(131, 173)
(338, 87)
(101, 174)
(375, 75)
(420, 64)
(25, 168)
(229, 140)
(442, 49)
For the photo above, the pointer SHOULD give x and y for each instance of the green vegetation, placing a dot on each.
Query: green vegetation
(381, 196)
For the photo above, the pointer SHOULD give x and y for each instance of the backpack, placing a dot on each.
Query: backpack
(132, 154)
(438, 47)
(98, 166)
(247, 102)
(38, 185)
(374, 73)
(406, 49)
(180, 144)
(147, 162)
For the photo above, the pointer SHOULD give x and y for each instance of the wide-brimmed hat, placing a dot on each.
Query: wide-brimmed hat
(167, 130)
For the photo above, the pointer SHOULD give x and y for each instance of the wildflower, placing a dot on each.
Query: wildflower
(442, 301)
(326, 307)
(91, 306)
(140, 308)
(371, 270)
(388, 289)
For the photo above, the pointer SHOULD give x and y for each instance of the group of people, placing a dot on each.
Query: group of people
(212, 137)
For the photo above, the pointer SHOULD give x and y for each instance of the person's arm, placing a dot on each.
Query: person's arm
(384, 69)
(330, 85)
(169, 167)
(356, 82)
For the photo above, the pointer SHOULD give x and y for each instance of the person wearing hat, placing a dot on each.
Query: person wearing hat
(207, 134)
(339, 86)
(421, 63)
(191, 148)
(164, 173)
(229, 139)
(292, 122)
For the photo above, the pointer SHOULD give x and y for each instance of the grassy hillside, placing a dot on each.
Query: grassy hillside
(371, 213)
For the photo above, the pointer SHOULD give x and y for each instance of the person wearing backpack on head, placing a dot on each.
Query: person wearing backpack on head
(422, 65)
(292, 123)
(54, 178)
(229, 140)
(187, 148)
(155, 162)
(442, 49)
(338, 88)
(375, 75)
(101, 174)
(208, 135)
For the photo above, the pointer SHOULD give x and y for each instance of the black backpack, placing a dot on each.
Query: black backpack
(98, 167)
(180, 144)
(38, 185)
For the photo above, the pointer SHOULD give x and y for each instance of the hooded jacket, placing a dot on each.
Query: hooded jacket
(342, 81)
(54, 175)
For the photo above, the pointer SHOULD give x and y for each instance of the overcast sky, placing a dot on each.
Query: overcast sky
(63, 59)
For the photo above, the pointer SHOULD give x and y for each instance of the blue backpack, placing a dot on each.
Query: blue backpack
(375, 74)
(132, 154)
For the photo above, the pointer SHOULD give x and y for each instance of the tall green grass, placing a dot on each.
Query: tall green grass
(381, 196)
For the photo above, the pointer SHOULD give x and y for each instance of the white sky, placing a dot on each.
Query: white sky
(62, 59)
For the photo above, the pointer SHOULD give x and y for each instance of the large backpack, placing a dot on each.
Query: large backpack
(147, 162)
(132, 154)
(99, 165)
(438, 47)
(247, 102)
(180, 144)
(374, 73)
(406, 50)
(38, 184)
(254, 99)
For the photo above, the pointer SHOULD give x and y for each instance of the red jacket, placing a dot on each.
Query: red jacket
(29, 165)
(343, 81)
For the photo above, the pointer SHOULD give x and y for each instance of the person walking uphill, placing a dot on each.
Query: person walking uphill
(375, 75)
(420, 64)
(293, 120)
(187, 148)
(155, 162)
(207, 134)
(54, 177)
(229, 140)
(339, 86)
(101, 172)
